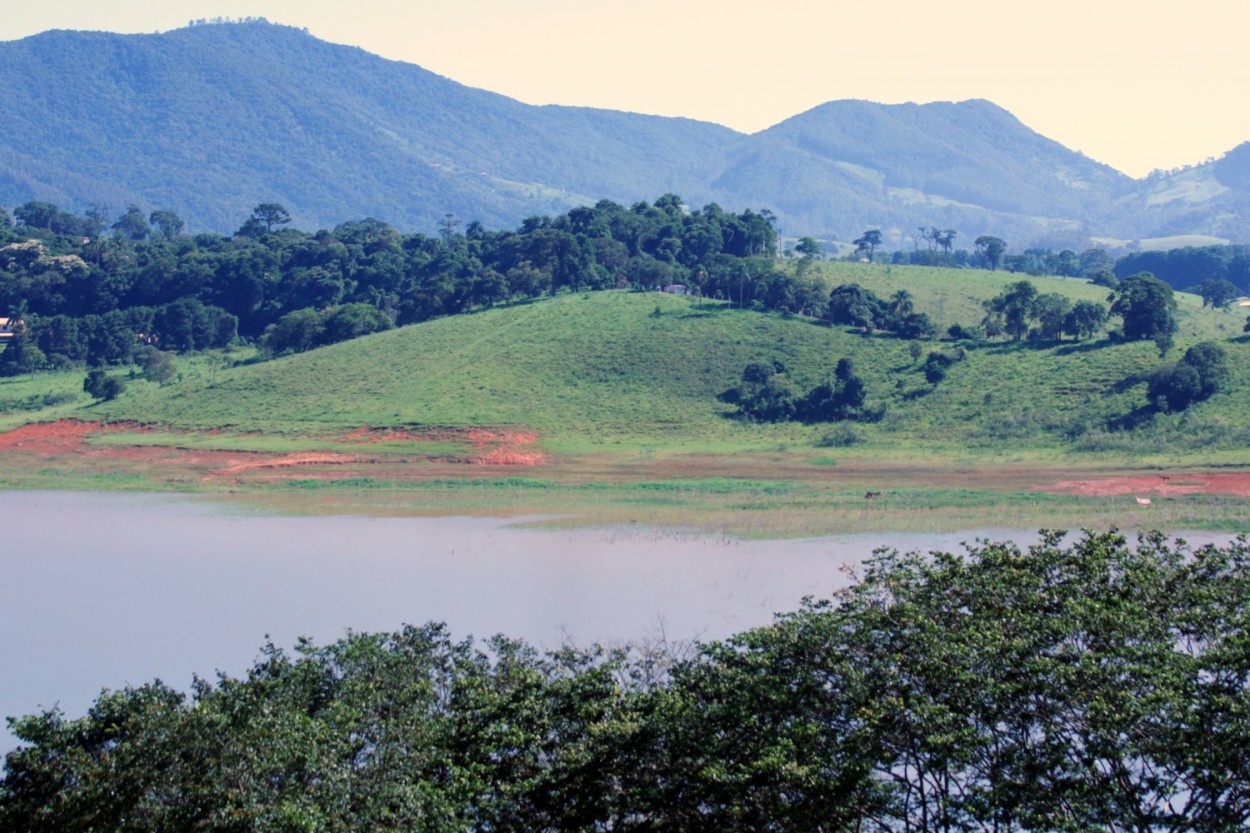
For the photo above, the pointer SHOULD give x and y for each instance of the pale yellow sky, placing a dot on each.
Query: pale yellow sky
(1139, 85)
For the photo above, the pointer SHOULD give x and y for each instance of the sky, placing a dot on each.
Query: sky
(1137, 84)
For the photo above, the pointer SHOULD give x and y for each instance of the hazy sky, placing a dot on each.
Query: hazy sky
(1137, 84)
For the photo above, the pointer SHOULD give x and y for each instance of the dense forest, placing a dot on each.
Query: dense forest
(1186, 268)
(1094, 685)
(92, 291)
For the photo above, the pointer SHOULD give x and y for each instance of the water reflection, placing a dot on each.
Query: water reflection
(105, 590)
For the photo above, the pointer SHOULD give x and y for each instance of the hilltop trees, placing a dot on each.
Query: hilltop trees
(853, 305)
(990, 249)
(868, 243)
(151, 277)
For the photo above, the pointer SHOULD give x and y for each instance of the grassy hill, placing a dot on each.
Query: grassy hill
(644, 370)
(612, 399)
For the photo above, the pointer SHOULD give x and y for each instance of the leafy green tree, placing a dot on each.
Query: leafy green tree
(102, 386)
(1147, 307)
(21, 355)
(935, 366)
(295, 332)
(132, 225)
(270, 214)
(1096, 260)
(868, 243)
(1051, 311)
(1201, 372)
(1217, 293)
(36, 214)
(1085, 319)
(168, 223)
(158, 366)
(352, 321)
(852, 304)
(1011, 311)
(990, 249)
(808, 247)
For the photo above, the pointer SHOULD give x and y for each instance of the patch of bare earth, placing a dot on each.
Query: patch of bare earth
(1233, 484)
(483, 448)
(65, 436)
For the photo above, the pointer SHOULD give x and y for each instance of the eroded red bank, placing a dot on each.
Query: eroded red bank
(69, 438)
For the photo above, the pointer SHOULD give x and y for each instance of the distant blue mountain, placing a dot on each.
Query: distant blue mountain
(211, 120)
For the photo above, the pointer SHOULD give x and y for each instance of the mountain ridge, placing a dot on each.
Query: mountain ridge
(212, 119)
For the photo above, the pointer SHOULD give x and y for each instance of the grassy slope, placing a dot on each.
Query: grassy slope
(604, 370)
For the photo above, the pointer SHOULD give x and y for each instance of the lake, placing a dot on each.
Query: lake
(105, 590)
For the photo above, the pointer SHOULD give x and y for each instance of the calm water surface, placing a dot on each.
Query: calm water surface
(105, 590)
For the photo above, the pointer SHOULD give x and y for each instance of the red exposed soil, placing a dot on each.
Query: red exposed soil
(1236, 484)
(63, 437)
(70, 439)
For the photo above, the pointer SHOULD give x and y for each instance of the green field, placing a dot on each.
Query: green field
(621, 390)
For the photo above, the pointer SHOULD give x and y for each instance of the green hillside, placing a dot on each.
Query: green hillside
(620, 368)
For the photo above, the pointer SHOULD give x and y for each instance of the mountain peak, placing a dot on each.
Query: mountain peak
(214, 118)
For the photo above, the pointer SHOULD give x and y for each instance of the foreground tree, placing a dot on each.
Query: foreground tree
(1093, 685)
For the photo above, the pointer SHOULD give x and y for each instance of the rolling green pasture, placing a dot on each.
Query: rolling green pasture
(622, 390)
(636, 372)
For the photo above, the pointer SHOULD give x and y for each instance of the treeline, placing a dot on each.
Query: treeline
(1186, 268)
(1091, 686)
(120, 275)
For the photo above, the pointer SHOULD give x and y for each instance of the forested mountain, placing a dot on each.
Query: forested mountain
(211, 120)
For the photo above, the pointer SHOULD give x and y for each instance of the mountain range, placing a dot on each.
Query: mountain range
(213, 119)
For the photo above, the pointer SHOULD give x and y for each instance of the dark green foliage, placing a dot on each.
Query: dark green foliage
(1201, 372)
(192, 293)
(767, 395)
(157, 365)
(102, 386)
(1217, 293)
(295, 332)
(961, 332)
(852, 304)
(1146, 306)
(935, 366)
(1085, 319)
(1051, 311)
(990, 249)
(305, 329)
(868, 243)
(21, 354)
(1191, 266)
(1095, 685)
(1104, 277)
(1011, 311)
